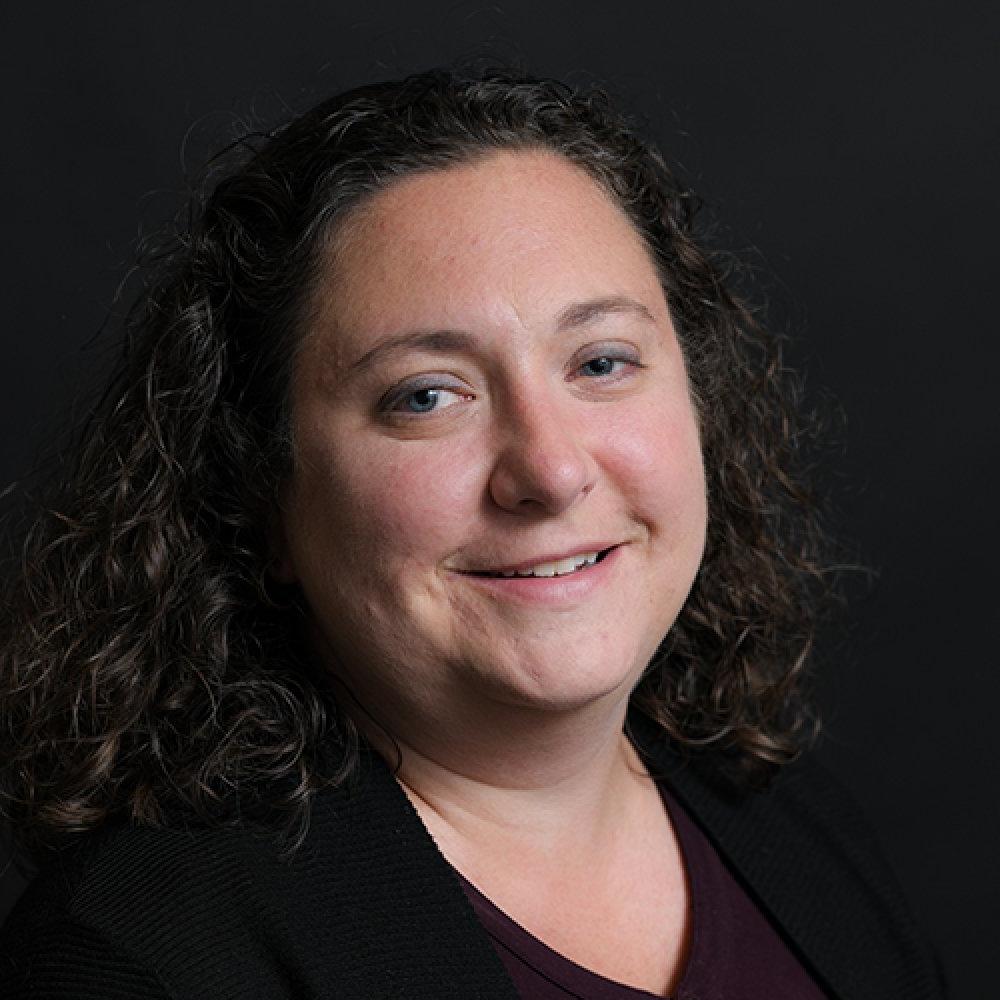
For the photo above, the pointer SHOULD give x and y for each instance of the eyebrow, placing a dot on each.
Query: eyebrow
(575, 315)
(582, 313)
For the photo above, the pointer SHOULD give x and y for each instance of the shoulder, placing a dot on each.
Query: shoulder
(805, 806)
(201, 912)
(114, 910)
(805, 851)
(367, 904)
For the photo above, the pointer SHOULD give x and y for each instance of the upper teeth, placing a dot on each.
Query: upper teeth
(558, 568)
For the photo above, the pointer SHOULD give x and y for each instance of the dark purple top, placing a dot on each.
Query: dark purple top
(735, 953)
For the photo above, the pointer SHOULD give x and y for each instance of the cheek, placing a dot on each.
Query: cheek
(654, 452)
(392, 501)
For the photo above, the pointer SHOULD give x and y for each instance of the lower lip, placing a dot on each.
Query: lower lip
(552, 590)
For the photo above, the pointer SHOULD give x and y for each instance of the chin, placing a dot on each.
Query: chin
(563, 681)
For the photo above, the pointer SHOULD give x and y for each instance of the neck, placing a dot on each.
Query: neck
(525, 780)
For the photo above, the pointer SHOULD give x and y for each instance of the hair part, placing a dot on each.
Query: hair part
(149, 670)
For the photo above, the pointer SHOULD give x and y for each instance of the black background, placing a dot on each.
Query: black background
(853, 153)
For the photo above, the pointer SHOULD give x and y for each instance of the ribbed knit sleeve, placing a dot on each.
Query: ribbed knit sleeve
(367, 909)
(67, 961)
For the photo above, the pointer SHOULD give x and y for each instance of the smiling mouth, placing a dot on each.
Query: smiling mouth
(561, 567)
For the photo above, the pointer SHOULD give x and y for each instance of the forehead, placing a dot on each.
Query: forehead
(507, 238)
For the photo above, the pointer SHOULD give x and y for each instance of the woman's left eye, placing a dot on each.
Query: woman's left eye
(605, 365)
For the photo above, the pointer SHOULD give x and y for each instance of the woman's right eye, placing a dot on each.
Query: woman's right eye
(426, 399)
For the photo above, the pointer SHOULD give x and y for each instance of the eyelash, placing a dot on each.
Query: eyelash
(395, 399)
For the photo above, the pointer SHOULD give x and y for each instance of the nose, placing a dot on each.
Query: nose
(543, 463)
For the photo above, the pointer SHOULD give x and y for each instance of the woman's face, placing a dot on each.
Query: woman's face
(491, 382)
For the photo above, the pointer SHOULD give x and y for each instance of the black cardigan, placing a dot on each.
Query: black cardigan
(369, 908)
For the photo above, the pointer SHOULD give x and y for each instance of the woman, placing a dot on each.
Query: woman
(427, 609)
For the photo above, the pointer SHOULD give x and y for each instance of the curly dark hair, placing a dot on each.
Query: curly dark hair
(150, 672)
